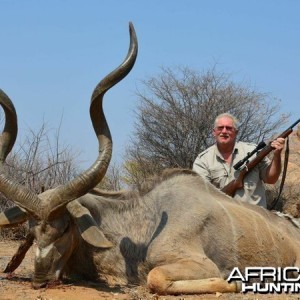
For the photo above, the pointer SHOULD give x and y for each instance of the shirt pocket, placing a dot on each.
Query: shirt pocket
(218, 177)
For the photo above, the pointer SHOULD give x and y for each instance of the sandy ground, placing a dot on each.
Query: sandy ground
(17, 286)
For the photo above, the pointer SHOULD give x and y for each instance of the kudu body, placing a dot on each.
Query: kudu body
(182, 236)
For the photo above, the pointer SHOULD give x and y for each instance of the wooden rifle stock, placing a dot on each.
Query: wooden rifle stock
(238, 182)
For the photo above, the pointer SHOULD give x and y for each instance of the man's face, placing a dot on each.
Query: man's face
(224, 131)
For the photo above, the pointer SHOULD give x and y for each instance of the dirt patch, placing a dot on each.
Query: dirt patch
(17, 286)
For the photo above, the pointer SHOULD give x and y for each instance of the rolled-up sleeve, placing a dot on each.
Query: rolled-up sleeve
(263, 166)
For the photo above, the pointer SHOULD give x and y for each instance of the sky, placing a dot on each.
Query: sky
(53, 54)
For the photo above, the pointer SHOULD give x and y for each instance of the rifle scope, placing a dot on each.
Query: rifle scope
(261, 145)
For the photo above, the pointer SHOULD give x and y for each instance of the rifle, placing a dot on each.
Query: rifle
(238, 182)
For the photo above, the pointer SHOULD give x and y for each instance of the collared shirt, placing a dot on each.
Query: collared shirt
(211, 166)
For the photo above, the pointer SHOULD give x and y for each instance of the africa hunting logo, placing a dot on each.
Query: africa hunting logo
(265, 280)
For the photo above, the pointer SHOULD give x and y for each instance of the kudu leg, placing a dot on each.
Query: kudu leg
(20, 254)
(186, 278)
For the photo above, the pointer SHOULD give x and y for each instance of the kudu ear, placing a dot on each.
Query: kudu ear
(87, 226)
(13, 216)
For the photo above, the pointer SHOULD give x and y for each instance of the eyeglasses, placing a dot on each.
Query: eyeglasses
(228, 128)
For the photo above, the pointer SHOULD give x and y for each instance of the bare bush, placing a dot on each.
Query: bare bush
(39, 162)
(113, 179)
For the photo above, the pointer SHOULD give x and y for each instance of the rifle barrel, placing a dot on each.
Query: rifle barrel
(293, 125)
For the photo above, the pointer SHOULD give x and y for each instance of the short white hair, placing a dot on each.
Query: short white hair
(235, 121)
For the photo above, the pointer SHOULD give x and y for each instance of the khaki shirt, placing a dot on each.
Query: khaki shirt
(211, 166)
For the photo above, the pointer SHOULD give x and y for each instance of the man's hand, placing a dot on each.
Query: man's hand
(278, 145)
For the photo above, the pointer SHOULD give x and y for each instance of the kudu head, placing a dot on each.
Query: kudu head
(57, 219)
